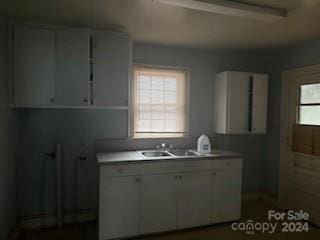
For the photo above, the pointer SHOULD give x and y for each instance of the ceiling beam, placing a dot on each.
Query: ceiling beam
(231, 8)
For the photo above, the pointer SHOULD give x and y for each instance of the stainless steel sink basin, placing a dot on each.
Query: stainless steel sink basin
(168, 153)
(183, 152)
(155, 154)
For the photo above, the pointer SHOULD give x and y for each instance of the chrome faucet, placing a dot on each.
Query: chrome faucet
(164, 147)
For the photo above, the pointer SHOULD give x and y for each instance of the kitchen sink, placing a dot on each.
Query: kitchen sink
(168, 153)
(155, 153)
(182, 152)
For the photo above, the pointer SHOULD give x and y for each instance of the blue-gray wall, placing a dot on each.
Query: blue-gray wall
(279, 60)
(7, 162)
(77, 130)
(39, 130)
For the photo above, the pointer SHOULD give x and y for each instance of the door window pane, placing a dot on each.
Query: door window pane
(310, 93)
(309, 115)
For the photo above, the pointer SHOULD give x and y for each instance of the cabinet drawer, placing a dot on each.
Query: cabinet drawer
(172, 166)
(119, 170)
(235, 163)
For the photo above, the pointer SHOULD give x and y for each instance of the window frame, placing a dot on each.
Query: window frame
(131, 130)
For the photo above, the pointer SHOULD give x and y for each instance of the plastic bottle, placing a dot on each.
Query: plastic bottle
(204, 146)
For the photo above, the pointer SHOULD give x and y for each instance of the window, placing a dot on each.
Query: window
(309, 104)
(159, 103)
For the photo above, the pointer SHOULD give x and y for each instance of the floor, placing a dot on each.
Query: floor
(255, 211)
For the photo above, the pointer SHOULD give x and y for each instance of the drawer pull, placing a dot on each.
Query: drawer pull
(137, 179)
(214, 173)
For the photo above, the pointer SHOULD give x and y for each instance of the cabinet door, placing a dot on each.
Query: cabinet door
(72, 67)
(194, 199)
(158, 203)
(119, 207)
(33, 66)
(226, 195)
(238, 102)
(260, 103)
(112, 53)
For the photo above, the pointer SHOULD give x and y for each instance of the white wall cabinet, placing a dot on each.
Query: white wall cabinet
(240, 103)
(72, 67)
(175, 194)
(111, 67)
(119, 207)
(59, 67)
(33, 70)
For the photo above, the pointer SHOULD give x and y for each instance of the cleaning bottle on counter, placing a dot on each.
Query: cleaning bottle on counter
(204, 146)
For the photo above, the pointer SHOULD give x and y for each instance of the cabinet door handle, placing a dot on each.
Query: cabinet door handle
(180, 177)
(137, 179)
(214, 174)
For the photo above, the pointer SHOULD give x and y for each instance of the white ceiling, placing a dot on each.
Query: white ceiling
(157, 23)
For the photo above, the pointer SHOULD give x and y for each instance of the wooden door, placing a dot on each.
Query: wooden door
(302, 163)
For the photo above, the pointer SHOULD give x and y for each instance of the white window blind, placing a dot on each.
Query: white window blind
(159, 102)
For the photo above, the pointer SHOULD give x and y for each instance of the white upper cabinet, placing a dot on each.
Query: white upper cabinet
(260, 103)
(72, 67)
(33, 66)
(240, 103)
(111, 68)
(62, 67)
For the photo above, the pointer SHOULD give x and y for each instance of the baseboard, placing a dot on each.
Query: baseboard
(50, 220)
(15, 232)
(89, 215)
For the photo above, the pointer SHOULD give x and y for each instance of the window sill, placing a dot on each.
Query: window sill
(158, 136)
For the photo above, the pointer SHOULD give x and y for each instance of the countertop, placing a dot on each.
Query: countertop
(133, 156)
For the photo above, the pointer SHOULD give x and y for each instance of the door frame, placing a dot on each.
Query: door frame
(288, 77)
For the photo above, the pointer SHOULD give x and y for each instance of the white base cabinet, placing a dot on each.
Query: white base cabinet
(144, 198)
(158, 203)
(226, 195)
(194, 199)
(119, 207)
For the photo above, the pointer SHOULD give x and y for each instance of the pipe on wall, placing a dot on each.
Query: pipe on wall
(58, 186)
